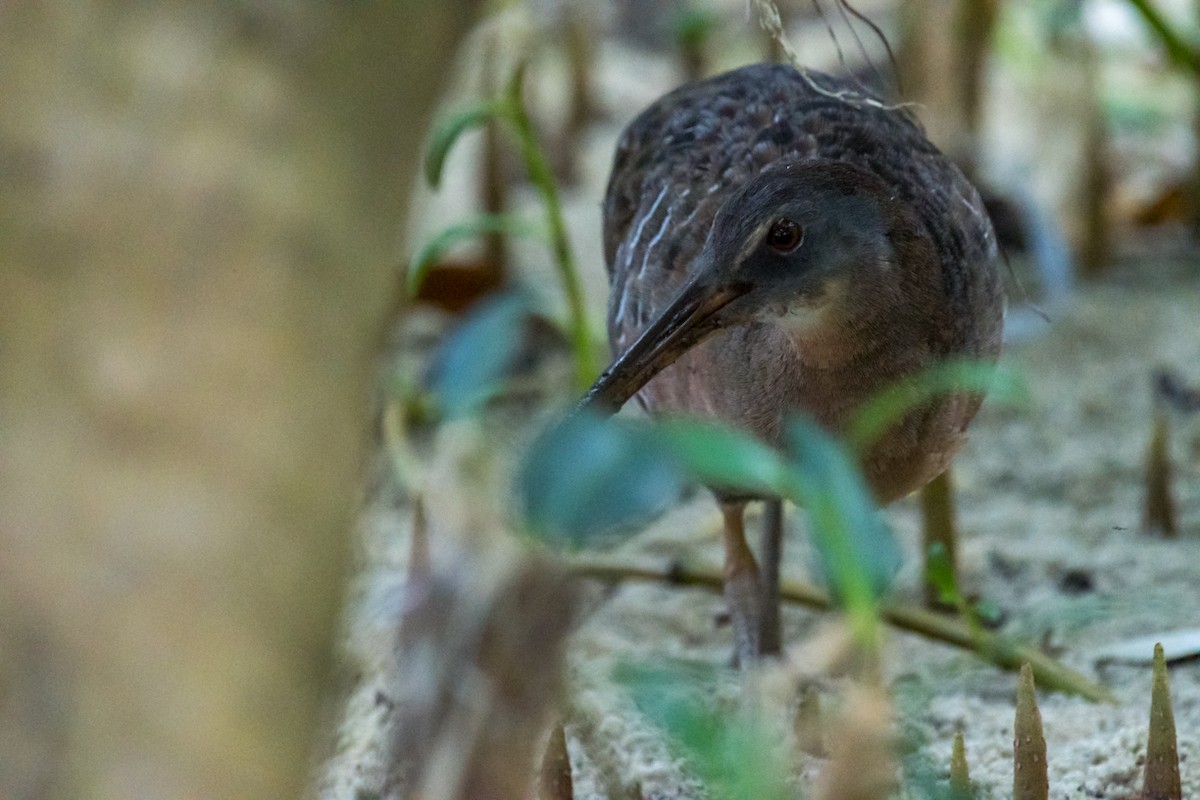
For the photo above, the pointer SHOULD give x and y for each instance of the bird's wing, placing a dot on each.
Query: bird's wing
(678, 160)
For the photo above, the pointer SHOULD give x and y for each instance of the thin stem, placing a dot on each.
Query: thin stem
(938, 528)
(406, 466)
(542, 177)
(1178, 49)
(1050, 673)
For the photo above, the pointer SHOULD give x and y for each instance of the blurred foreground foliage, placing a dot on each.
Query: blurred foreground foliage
(585, 479)
(732, 753)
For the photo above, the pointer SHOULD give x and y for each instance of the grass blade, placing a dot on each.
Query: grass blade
(446, 133)
(889, 406)
(435, 248)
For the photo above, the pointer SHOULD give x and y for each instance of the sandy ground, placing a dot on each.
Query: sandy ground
(1050, 507)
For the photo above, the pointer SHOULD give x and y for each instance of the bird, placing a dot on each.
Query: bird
(780, 240)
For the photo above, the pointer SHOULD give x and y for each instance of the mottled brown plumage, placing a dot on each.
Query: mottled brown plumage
(718, 309)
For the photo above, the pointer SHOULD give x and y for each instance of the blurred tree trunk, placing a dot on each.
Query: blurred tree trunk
(1095, 248)
(942, 58)
(1079, 119)
(1195, 198)
(197, 224)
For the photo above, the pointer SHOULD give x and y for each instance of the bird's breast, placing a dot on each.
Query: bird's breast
(754, 377)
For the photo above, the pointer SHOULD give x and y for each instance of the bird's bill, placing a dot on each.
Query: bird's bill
(690, 319)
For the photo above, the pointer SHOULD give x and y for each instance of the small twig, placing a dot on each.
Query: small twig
(1050, 673)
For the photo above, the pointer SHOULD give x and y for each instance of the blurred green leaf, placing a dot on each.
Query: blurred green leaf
(427, 256)
(858, 553)
(587, 478)
(514, 90)
(447, 131)
(1183, 50)
(692, 26)
(891, 405)
(470, 366)
(734, 757)
(922, 778)
(718, 455)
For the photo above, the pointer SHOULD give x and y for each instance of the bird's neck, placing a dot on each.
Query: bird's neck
(851, 324)
(857, 346)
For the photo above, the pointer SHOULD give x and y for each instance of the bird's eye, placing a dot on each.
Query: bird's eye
(785, 235)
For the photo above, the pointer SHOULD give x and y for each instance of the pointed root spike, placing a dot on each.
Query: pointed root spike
(555, 782)
(1161, 780)
(1159, 515)
(960, 774)
(1031, 779)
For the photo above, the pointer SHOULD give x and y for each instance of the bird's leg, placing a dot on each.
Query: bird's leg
(743, 592)
(770, 556)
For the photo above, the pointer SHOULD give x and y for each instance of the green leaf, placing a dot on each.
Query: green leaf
(731, 754)
(891, 405)
(587, 478)
(858, 553)
(427, 256)
(470, 366)
(447, 131)
(718, 455)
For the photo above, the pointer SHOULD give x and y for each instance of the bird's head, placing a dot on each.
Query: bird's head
(785, 249)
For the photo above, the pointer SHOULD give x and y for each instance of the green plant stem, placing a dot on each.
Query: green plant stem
(407, 470)
(491, 224)
(542, 177)
(862, 609)
(938, 528)
(1178, 49)
(1005, 654)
